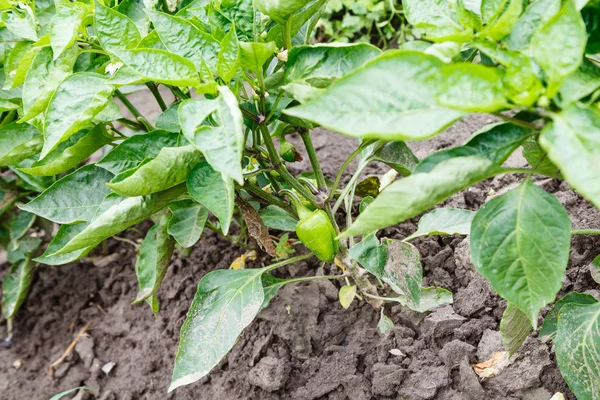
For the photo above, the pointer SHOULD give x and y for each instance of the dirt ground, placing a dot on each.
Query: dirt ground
(304, 345)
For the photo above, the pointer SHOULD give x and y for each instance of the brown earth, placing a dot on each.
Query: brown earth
(304, 345)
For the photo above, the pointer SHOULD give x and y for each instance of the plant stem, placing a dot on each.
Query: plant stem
(287, 33)
(157, 96)
(529, 171)
(517, 122)
(315, 278)
(8, 117)
(130, 123)
(267, 197)
(282, 170)
(178, 93)
(350, 184)
(138, 116)
(314, 160)
(287, 262)
(340, 173)
(585, 232)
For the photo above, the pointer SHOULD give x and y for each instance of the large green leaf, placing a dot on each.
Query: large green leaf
(503, 21)
(187, 223)
(171, 167)
(411, 196)
(213, 191)
(276, 218)
(394, 262)
(398, 156)
(536, 14)
(435, 16)
(169, 120)
(18, 142)
(119, 214)
(301, 23)
(241, 13)
(520, 242)
(20, 225)
(69, 153)
(43, 79)
(550, 325)
(514, 328)
(280, 10)
(20, 22)
(572, 142)
(15, 287)
(580, 84)
(223, 144)
(537, 158)
(115, 31)
(228, 59)
(402, 105)
(577, 345)
(254, 54)
(21, 54)
(225, 303)
(183, 38)
(74, 198)
(135, 11)
(560, 58)
(444, 221)
(132, 151)
(64, 26)
(64, 234)
(77, 100)
(161, 66)
(153, 261)
(471, 87)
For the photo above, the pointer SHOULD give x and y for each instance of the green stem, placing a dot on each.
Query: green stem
(267, 197)
(287, 262)
(340, 173)
(287, 34)
(315, 278)
(157, 96)
(528, 171)
(178, 93)
(282, 170)
(585, 232)
(518, 122)
(350, 184)
(314, 160)
(9, 117)
(138, 116)
(130, 123)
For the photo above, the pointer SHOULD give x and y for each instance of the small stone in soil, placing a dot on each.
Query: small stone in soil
(455, 351)
(490, 343)
(441, 322)
(269, 374)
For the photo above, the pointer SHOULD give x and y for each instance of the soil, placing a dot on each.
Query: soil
(303, 345)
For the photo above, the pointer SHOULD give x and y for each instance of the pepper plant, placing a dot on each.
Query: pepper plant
(244, 78)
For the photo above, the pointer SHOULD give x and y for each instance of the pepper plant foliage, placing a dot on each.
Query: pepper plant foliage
(243, 79)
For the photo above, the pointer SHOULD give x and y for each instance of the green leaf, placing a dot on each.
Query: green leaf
(73, 198)
(550, 325)
(276, 218)
(132, 151)
(591, 17)
(400, 109)
(223, 144)
(60, 395)
(514, 328)
(64, 27)
(135, 11)
(69, 154)
(20, 54)
(115, 31)
(187, 223)
(435, 16)
(64, 234)
(572, 141)
(20, 22)
(560, 58)
(21, 225)
(171, 167)
(444, 221)
(161, 66)
(398, 156)
(169, 120)
(471, 87)
(431, 297)
(520, 242)
(536, 157)
(301, 21)
(412, 195)
(385, 324)
(280, 10)
(253, 55)
(77, 100)
(241, 13)
(346, 295)
(183, 38)
(595, 269)
(394, 262)
(577, 345)
(536, 14)
(18, 142)
(213, 191)
(503, 23)
(580, 84)
(153, 261)
(229, 56)
(496, 142)
(225, 304)
(15, 287)
(43, 78)
(119, 214)
(466, 17)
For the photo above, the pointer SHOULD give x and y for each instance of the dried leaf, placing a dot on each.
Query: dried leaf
(493, 366)
(257, 230)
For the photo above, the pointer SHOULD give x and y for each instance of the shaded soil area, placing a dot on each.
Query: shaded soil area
(304, 345)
